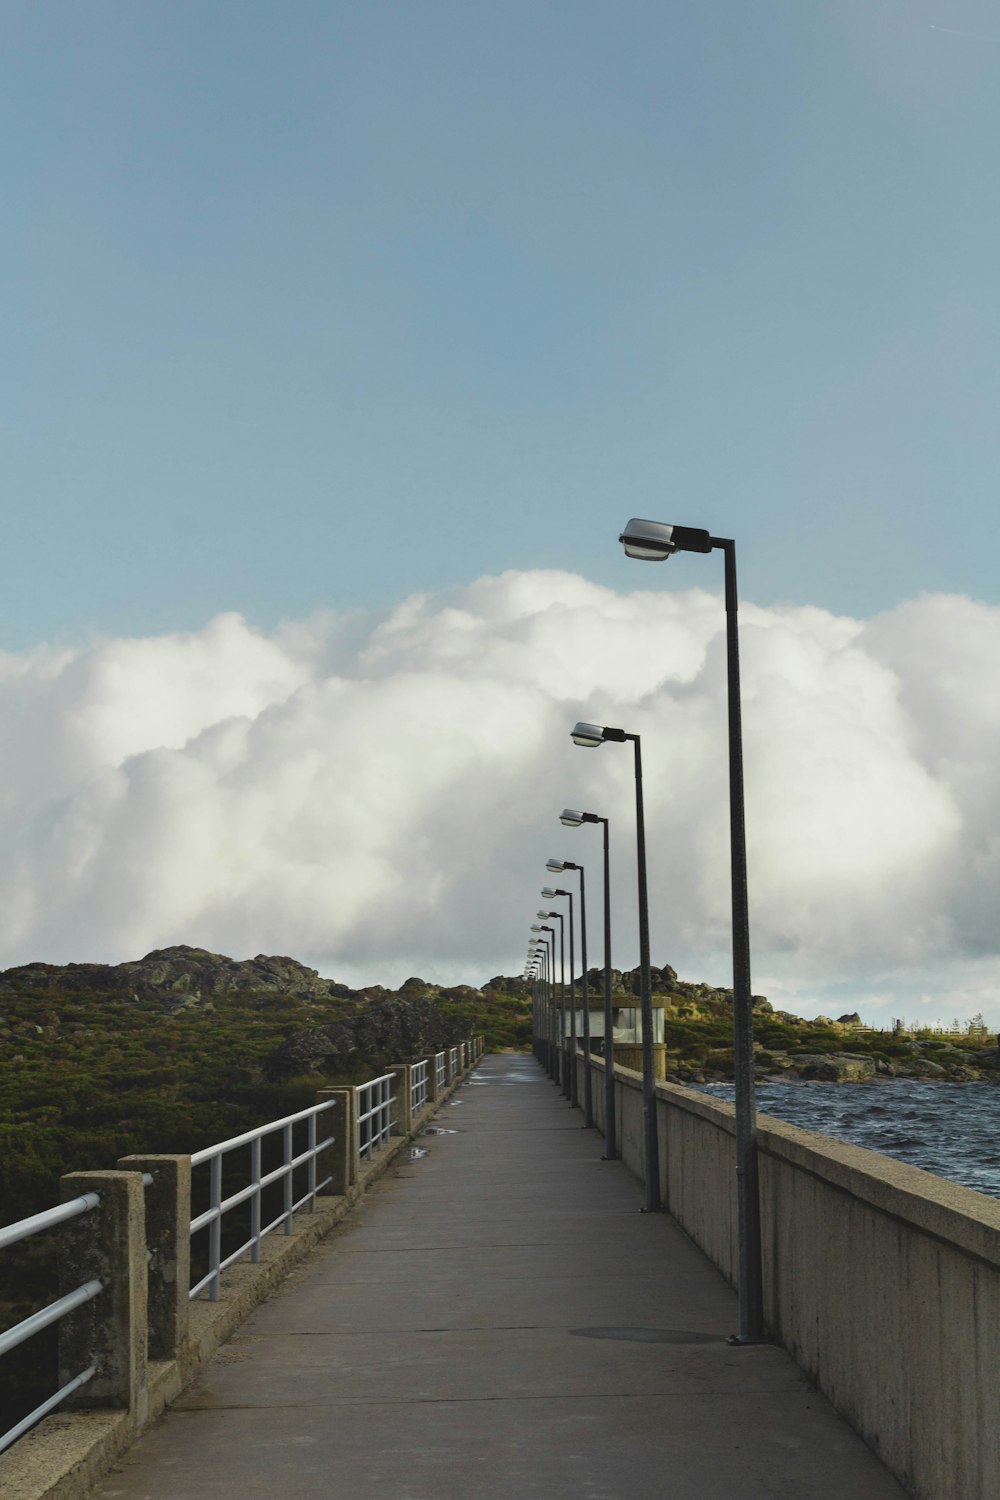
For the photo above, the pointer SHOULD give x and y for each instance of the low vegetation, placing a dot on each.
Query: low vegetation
(97, 1063)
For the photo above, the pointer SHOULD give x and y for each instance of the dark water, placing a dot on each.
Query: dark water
(951, 1129)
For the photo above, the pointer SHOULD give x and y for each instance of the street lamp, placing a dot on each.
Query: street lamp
(547, 971)
(550, 967)
(654, 541)
(536, 972)
(538, 953)
(569, 1046)
(556, 866)
(570, 818)
(561, 1076)
(590, 736)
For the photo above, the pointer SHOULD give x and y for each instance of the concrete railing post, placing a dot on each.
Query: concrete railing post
(402, 1109)
(168, 1240)
(342, 1156)
(432, 1078)
(108, 1245)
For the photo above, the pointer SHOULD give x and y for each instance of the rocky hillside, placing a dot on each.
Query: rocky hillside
(177, 976)
(53, 1016)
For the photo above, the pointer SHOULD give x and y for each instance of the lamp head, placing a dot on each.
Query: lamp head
(555, 865)
(653, 541)
(573, 819)
(548, 891)
(590, 735)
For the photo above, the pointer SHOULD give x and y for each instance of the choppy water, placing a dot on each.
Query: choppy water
(950, 1129)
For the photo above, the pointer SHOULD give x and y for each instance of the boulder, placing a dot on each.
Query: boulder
(922, 1067)
(832, 1067)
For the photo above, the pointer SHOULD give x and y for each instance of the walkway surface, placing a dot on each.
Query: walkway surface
(498, 1321)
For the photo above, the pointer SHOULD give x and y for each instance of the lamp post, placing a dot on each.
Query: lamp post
(653, 541)
(590, 736)
(550, 967)
(570, 818)
(532, 977)
(557, 866)
(561, 1070)
(540, 950)
(569, 1033)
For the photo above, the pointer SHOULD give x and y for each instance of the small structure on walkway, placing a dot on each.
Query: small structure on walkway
(626, 1019)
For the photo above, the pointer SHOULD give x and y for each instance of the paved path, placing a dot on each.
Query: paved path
(499, 1322)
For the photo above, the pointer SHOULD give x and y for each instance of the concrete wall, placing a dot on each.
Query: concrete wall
(881, 1280)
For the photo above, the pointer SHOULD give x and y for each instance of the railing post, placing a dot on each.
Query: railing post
(342, 1156)
(107, 1245)
(432, 1078)
(168, 1240)
(402, 1113)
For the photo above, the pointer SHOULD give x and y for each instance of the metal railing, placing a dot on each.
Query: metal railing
(251, 1193)
(12, 1234)
(373, 1112)
(419, 1086)
(295, 1139)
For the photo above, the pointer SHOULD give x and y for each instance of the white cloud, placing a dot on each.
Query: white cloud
(378, 796)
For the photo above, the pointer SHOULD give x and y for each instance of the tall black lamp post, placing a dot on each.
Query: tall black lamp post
(557, 866)
(533, 975)
(592, 735)
(561, 1078)
(569, 1016)
(550, 959)
(653, 541)
(541, 959)
(570, 818)
(550, 893)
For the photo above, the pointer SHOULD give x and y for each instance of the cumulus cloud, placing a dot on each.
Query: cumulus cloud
(377, 796)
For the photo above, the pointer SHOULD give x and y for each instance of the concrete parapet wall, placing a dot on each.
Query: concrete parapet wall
(883, 1281)
(67, 1453)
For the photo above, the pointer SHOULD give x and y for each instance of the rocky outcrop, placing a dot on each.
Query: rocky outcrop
(178, 976)
(397, 1029)
(829, 1067)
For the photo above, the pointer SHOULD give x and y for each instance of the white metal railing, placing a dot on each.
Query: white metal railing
(284, 1173)
(373, 1113)
(374, 1110)
(419, 1086)
(23, 1229)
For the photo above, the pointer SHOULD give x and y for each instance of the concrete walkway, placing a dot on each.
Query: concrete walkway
(499, 1322)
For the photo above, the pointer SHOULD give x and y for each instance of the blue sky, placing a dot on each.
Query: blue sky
(312, 308)
(320, 304)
